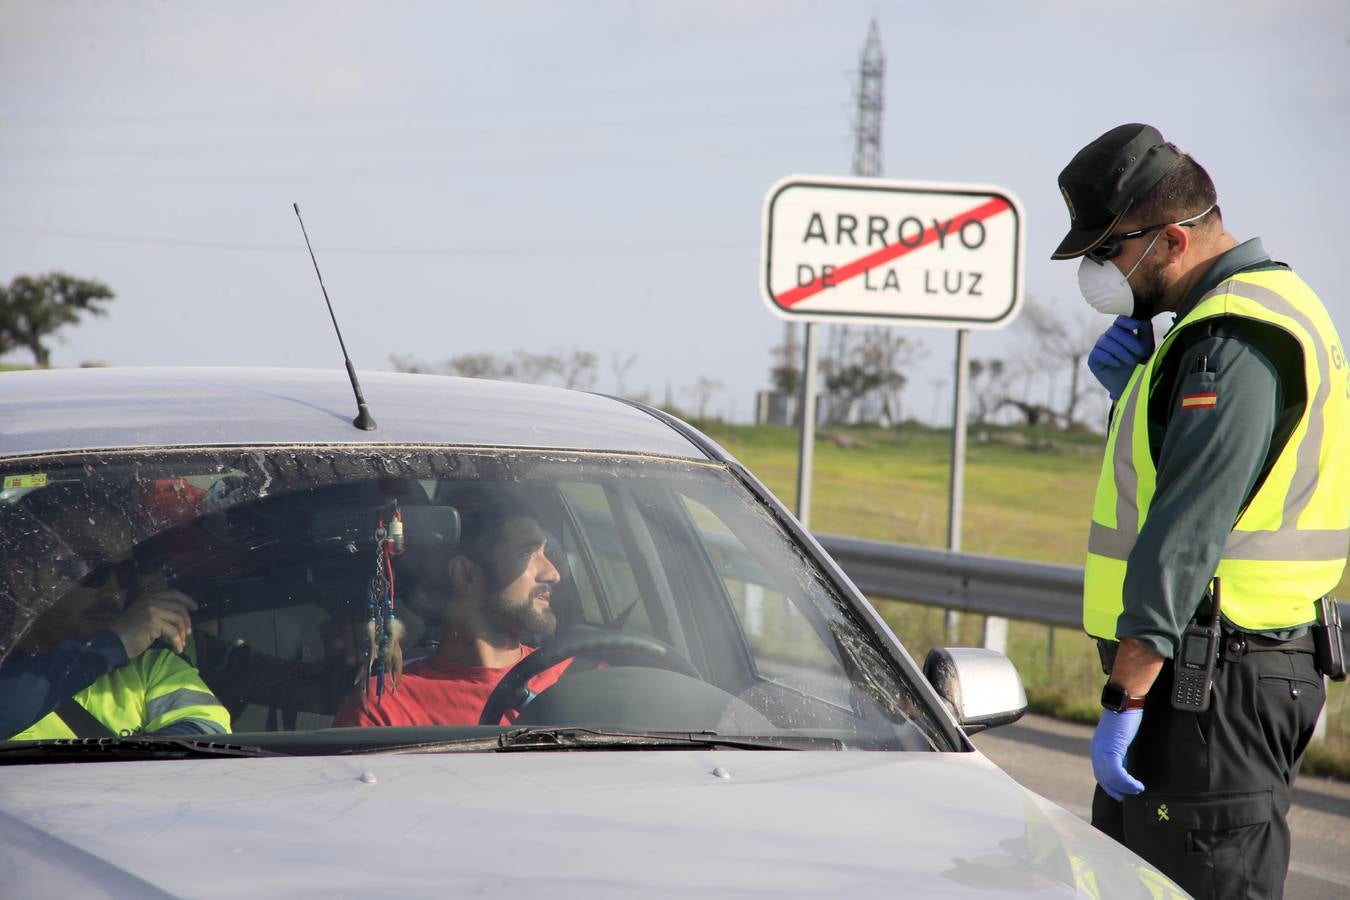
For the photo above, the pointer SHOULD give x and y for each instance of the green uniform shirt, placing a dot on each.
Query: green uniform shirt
(1209, 460)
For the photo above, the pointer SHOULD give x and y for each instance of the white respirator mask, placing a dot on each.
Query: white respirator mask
(1108, 291)
(1103, 286)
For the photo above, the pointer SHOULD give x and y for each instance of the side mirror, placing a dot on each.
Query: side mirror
(981, 687)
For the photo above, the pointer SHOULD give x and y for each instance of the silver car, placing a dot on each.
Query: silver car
(512, 640)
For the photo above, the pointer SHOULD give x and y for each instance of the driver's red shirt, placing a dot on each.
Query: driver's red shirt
(435, 692)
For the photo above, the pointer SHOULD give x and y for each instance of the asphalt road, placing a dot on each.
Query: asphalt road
(1051, 758)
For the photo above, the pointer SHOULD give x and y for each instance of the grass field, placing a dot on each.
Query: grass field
(1027, 495)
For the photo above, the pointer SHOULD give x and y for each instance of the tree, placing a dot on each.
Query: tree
(784, 374)
(987, 388)
(33, 309)
(619, 367)
(577, 369)
(1034, 413)
(841, 385)
(402, 362)
(885, 353)
(479, 365)
(571, 369)
(1059, 341)
(862, 373)
(701, 393)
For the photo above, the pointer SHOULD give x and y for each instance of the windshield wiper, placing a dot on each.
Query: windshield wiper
(122, 749)
(577, 738)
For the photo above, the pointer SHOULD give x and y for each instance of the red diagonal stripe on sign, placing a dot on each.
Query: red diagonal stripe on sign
(852, 270)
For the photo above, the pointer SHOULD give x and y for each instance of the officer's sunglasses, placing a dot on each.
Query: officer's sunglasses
(1110, 247)
(94, 571)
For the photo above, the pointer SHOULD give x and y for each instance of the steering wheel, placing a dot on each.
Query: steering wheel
(619, 648)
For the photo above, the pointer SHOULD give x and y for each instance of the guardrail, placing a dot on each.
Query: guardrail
(990, 585)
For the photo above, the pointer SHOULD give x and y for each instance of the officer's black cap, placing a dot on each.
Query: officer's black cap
(1105, 178)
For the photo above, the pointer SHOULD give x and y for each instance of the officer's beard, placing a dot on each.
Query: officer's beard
(1151, 295)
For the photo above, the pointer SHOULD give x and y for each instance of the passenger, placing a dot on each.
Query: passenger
(88, 666)
(483, 601)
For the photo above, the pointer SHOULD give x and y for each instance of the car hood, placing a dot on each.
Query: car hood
(592, 824)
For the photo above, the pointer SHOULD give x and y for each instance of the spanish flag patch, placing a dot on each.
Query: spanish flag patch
(1199, 401)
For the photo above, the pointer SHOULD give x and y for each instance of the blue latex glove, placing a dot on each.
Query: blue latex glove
(1115, 731)
(1126, 344)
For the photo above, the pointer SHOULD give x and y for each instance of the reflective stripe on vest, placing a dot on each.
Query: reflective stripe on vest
(156, 689)
(1289, 545)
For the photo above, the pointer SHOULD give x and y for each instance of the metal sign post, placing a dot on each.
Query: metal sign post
(807, 439)
(995, 628)
(951, 619)
(958, 470)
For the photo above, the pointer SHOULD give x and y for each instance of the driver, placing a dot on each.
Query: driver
(486, 598)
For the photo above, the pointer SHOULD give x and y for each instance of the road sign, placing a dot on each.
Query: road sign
(892, 252)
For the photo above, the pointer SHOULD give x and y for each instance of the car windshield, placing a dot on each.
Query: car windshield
(353, 598)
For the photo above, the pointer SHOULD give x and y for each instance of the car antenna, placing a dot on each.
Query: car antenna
(363, 419)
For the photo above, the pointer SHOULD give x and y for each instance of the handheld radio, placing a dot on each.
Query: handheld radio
(1193, 668)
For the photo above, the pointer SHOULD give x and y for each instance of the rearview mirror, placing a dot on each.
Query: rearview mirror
(423, 526)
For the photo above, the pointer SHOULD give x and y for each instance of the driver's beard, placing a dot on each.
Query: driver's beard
(527, 621)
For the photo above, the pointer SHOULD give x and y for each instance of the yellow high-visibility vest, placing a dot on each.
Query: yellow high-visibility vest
(1289, 545)
(156, 689)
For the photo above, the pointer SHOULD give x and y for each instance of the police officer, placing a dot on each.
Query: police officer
(1224, 462)
(102, 657)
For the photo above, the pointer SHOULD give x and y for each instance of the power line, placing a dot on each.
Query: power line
(740, 246)
(771, 84)
(17, 146)
(532, 163)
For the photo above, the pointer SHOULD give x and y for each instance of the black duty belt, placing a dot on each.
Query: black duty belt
(1237, 644)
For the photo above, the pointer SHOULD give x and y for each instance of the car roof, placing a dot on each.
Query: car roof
(103, 408)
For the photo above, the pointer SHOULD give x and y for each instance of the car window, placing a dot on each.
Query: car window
(785, 644)
(614, 595)
(336, 589)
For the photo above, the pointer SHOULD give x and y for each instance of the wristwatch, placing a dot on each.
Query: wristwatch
(1116, 699)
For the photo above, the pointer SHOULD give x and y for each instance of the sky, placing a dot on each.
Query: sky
(495, 177)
